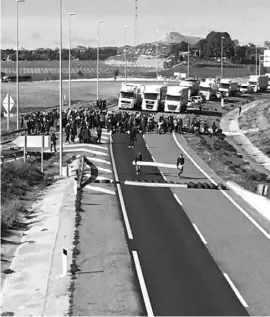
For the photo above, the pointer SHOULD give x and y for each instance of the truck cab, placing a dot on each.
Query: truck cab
(208, 89)
(154, 97)
(227, 87)
(130, 96)
(176, 99)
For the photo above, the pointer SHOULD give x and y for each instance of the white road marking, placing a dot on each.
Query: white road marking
(155, 164)
(237, 293)
(98, 160)
(199, 233)
(134, 183)
(121, 198)
(99, 178)
(178, 200)
(266, 234)
(100, 189)
(146, 298)
(102, 169)
(88, 145)
(163, 176)
(65, 149)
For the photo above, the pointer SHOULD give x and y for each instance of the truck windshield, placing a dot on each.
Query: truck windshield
(128, 95)
(173, 98)
(226, 86)
(150, 96)
(253, 83)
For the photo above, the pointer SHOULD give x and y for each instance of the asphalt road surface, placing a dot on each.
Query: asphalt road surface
(180, 275)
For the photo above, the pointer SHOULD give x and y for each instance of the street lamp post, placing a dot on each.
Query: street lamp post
(256, 61)
(188, 61)
(260, 56)
(98, 22)
(17, 60)
(157, 52)
(126, 27)
(222, 38)
(60, 89)
(69, 60)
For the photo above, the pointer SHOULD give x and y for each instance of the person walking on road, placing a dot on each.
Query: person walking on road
(180, 164)
(132, 137)
(138, 158)
(99, 132)
(53, 142)
(239, 109)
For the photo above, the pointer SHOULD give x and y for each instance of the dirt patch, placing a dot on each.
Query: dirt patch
(258, 117)
(226, 161)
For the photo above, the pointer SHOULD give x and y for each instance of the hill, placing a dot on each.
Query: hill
(175, 37)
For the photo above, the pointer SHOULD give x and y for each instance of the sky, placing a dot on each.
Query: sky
(245, 20)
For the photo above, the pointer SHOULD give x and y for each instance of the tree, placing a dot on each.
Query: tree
(267, 44)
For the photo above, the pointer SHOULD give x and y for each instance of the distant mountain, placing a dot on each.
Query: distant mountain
(175, 37)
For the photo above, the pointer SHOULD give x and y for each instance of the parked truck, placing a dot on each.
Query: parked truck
(154, 97)
(268, 75)
(209, 90)
(192, 84)
(176, 99)
(130, 96)
(245, 88)
(258, 82)
(228, 87)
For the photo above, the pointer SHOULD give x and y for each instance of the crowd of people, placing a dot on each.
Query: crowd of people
(79, 123)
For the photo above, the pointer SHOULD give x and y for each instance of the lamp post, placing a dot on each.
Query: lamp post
(222, 38)
(69, 61)
(60, 89)
(98, 22)
(260, 56)
(256, 61)
(157, 52)
(126, 27)
(188, 62)
(17, 60)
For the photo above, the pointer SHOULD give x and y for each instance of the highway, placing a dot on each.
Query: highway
(180, 275)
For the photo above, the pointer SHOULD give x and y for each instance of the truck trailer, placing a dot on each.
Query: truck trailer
(130, 96)
(176, 99)
(154, 97)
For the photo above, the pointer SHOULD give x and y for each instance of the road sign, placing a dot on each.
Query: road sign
(8, 99)
(34, 141)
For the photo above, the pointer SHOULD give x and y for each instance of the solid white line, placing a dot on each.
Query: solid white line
(121, 198)
(134, 183)
(100, 189)
(88, 145)
(163, 176)
(65, 149)
(98, 160)
(266, 234)
(178, 200)
(199, 233)
(237, 293)
(146, 298)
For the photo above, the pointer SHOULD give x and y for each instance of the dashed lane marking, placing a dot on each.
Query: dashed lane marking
(237, 293)
(199, 233)
(266, 234)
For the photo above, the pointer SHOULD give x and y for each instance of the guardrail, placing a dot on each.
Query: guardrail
(8, 137)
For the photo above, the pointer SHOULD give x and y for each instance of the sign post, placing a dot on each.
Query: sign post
(42, 154)
(8, 104)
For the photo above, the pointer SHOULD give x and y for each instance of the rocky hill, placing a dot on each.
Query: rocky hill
(149, 54)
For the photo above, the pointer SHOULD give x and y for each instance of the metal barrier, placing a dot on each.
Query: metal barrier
(8, 137)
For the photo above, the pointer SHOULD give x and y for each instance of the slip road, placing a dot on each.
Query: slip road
(180, 275)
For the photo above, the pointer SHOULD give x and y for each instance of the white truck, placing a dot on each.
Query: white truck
(154, 97)
(209, 90)
(192, 84)
(268, 75)
(258, 83)
(176, 99)
(228, 87)
(130, 96)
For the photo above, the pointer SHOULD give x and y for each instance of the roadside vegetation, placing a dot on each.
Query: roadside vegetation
(21, 184)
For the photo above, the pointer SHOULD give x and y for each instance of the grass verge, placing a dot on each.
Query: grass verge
(226, 162)
(20, 184)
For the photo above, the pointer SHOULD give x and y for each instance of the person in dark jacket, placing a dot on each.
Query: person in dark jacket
(138, 158)
(53, 142)
(132, 137)
(99, 132)
(180, 165)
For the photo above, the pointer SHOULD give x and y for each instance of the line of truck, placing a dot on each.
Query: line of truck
(168, 98)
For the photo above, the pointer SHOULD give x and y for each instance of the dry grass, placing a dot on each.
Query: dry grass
(226, 162)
